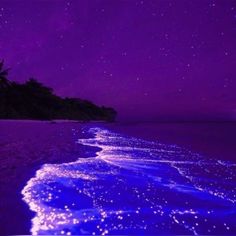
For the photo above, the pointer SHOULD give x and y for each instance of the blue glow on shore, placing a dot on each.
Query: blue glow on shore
(133, 186)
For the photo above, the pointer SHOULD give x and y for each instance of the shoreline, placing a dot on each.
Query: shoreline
(20, 159)
(71, 203)
(26, 146)
(14, 209)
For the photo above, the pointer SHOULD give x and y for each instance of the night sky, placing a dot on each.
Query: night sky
(147, 59)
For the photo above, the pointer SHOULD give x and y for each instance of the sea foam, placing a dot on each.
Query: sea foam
(133, 186)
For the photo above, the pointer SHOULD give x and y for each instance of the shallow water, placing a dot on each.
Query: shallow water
(133, 186)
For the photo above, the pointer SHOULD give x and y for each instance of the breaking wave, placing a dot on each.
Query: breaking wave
(133, 186)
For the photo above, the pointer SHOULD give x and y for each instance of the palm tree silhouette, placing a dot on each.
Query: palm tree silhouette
(4, 82)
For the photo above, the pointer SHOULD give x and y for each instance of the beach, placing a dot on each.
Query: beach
(117, 117)
(26, 145)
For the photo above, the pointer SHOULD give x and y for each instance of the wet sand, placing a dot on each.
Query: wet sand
(24, 147)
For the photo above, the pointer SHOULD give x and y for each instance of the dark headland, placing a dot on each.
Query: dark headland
(33, 100)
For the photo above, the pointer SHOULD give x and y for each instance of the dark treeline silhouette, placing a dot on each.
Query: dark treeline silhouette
(33, 100)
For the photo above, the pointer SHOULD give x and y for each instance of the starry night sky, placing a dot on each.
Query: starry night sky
(148, 59)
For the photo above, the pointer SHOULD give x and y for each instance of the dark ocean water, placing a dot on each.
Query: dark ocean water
(137, 179)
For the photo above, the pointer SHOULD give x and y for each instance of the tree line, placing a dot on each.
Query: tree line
(33, 100)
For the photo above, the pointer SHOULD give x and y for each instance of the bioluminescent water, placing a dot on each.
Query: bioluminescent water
(133, 186)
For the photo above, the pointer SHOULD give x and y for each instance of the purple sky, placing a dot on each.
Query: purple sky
(147, 59)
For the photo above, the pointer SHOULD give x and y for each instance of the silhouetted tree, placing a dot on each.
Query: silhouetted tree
(33, 100)
(36, 86)
(4, 82)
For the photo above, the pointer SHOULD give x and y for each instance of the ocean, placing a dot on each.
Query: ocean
(129, 181)
(143, 178)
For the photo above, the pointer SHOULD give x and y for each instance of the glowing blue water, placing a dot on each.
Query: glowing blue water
(133, 186)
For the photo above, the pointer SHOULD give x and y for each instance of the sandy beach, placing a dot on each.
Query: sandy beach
(24, 147)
